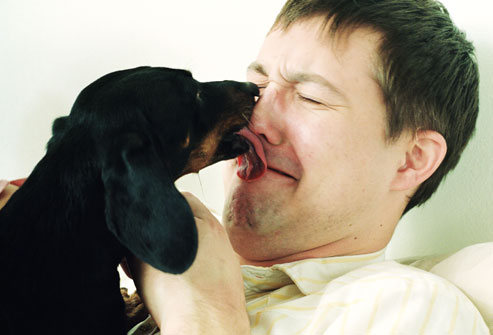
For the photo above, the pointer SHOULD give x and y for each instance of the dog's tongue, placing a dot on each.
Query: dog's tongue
(252, 164)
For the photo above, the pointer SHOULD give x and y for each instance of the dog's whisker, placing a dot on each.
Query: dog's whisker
(246, 118)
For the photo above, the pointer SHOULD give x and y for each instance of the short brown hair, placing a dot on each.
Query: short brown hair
(428, 72)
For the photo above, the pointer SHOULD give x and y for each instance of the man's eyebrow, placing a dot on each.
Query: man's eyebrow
(301, 77)
(257, 67)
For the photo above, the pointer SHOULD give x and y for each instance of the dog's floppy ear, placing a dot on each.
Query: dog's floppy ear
(144, 210)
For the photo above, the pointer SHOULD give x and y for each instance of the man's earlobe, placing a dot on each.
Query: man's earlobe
(425, 153)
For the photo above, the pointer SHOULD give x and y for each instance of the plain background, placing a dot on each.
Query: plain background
(52, 49)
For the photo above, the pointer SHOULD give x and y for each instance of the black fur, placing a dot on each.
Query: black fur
(105, 188)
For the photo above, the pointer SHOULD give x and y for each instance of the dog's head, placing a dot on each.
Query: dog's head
(151, 126)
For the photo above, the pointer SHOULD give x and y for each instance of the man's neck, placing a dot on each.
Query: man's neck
(343, 247)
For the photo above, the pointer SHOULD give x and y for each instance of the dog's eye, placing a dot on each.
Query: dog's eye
(198, 97)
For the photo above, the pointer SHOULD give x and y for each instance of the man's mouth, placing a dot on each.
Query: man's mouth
(280, 172)
(253, 164)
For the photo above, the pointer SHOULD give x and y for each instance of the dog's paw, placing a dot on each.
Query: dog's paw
(135, 310)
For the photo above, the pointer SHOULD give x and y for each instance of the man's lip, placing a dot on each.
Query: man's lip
(273, 169)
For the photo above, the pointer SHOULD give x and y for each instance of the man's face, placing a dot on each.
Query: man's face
(321, 120)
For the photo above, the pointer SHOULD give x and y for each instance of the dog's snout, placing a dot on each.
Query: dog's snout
(233, 87)
(244, 87)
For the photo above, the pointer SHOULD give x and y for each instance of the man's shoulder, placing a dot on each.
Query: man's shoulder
(408, 300)
(398, 276)
(399, 286)
(391, 267)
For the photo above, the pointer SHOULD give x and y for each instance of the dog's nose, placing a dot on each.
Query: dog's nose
(252, 88)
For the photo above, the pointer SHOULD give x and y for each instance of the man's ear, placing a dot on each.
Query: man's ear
(424, 155)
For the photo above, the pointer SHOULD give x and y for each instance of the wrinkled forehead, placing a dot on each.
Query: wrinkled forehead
(340, 39)
(311, 44)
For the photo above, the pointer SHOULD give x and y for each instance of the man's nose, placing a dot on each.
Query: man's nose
(268, 118)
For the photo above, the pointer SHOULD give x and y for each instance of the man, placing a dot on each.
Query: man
(364, 107)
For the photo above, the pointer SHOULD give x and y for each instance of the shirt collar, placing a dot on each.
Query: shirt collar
(309, 275)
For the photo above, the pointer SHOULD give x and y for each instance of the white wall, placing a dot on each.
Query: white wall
(50, 50)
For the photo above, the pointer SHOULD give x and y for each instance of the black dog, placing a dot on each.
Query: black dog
(104, 189)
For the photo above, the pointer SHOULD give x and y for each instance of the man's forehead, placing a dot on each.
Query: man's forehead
(325, 27)
(339, 39)
(309, 42)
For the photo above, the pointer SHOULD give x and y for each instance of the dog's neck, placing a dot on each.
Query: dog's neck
(77, 236)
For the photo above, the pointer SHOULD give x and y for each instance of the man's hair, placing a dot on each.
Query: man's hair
(427, 69)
